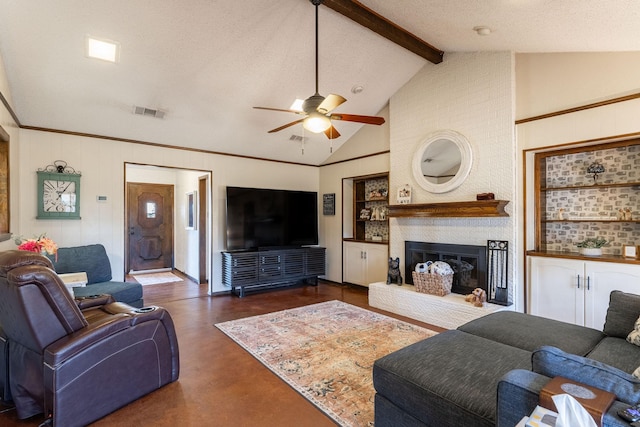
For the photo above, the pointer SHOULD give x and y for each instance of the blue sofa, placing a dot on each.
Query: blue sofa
(490, 371)
(93, 260)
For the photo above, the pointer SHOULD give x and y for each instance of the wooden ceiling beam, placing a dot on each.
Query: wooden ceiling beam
(366, 17)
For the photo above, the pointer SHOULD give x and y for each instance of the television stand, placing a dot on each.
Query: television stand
(254, 270)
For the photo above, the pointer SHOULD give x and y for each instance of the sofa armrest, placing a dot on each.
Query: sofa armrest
(553, 362)
(518, 394)
(93, 301)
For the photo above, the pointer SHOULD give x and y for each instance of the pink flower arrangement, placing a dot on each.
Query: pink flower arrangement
(40, 244)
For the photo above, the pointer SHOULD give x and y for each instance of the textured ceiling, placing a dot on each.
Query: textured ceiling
(207, 62)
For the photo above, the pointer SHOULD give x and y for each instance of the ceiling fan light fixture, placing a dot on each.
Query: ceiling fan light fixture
(316, 123)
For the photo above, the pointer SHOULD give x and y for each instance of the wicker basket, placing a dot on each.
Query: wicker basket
(434, 284)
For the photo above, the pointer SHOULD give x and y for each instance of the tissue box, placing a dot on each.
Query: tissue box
(594, 400)
(542, 417)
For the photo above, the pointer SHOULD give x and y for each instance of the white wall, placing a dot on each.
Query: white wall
(102, 163)
(549, 82)
(473, 94)
(331, 225)
(368, 140)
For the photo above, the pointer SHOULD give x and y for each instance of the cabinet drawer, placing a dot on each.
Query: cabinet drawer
(270, 259)
(270, 271)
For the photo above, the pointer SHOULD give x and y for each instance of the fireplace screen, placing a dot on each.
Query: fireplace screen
(468, 262)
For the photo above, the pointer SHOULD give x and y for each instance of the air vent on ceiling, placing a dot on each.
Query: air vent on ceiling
(144, 111)
(298, 138)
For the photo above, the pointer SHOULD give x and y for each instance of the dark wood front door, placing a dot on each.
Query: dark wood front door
(150, 226)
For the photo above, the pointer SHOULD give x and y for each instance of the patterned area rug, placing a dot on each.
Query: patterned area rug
(326, 352)
(155, 278)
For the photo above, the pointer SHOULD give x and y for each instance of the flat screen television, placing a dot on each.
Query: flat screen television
(271, 219)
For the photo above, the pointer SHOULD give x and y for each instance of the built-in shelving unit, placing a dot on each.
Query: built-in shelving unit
(370, 210)
(571, 204)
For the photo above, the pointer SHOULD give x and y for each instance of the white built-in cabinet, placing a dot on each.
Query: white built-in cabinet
(577, 291)
(364, 263)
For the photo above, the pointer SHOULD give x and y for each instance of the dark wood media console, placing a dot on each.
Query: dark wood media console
(252, 270)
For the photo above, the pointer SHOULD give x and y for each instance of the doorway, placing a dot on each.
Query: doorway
(192, 216)
(150, 226)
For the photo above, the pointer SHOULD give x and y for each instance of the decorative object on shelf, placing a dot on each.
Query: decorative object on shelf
(485, 196)
(394, 276)
(365, 213)
(41, 244)
(58, 192)
(561, 214)
(628, 216)
(379, 194)
(592, 246)
(620, 215)
(630, 251)
(404, 195)
(595, 169)
(329, 204)
(378, 213)
(497, 267)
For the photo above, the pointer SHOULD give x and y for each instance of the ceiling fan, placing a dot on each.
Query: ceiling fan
(317, 109)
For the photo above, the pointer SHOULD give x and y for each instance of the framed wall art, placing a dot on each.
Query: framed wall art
(192, 212)
(329, 204)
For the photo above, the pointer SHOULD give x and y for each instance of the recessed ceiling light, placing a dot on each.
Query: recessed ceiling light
(297, 105)
(481, 30)
(105, 50)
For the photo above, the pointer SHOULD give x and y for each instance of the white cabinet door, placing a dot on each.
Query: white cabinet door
(364, 263)
(377, 263)
(556, 289)
(353, 263)
(602, 278)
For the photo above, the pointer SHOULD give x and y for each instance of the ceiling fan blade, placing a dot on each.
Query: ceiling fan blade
(286, 126)
(332, 133)
(331, 102)
(370, 120)
(279, 109)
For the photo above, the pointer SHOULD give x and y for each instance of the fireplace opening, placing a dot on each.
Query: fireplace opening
(469, 263)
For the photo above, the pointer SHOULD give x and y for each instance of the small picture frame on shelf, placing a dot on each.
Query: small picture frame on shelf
(404, 195)
(365, 213)
(630, 251)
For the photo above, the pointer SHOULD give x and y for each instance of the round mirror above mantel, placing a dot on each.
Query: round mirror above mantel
(442, 161)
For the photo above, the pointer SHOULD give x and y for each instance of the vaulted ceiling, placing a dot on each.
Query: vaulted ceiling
(206, 63)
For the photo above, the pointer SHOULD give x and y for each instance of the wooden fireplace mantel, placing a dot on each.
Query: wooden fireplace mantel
(474, 208)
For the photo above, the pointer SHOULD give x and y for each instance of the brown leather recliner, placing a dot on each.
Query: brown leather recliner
(77, 361)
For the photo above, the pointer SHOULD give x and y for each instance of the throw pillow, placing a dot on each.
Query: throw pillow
(622, 313)
(553, 362)
(634, 336)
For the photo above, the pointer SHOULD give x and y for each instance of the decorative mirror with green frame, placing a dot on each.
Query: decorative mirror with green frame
(58, 192)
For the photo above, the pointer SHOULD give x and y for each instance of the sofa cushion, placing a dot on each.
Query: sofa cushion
(553, 362)
(92, 259)
(448, 380)
(622, 314)
(618, 353)
(530, 332)
(125, 292)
